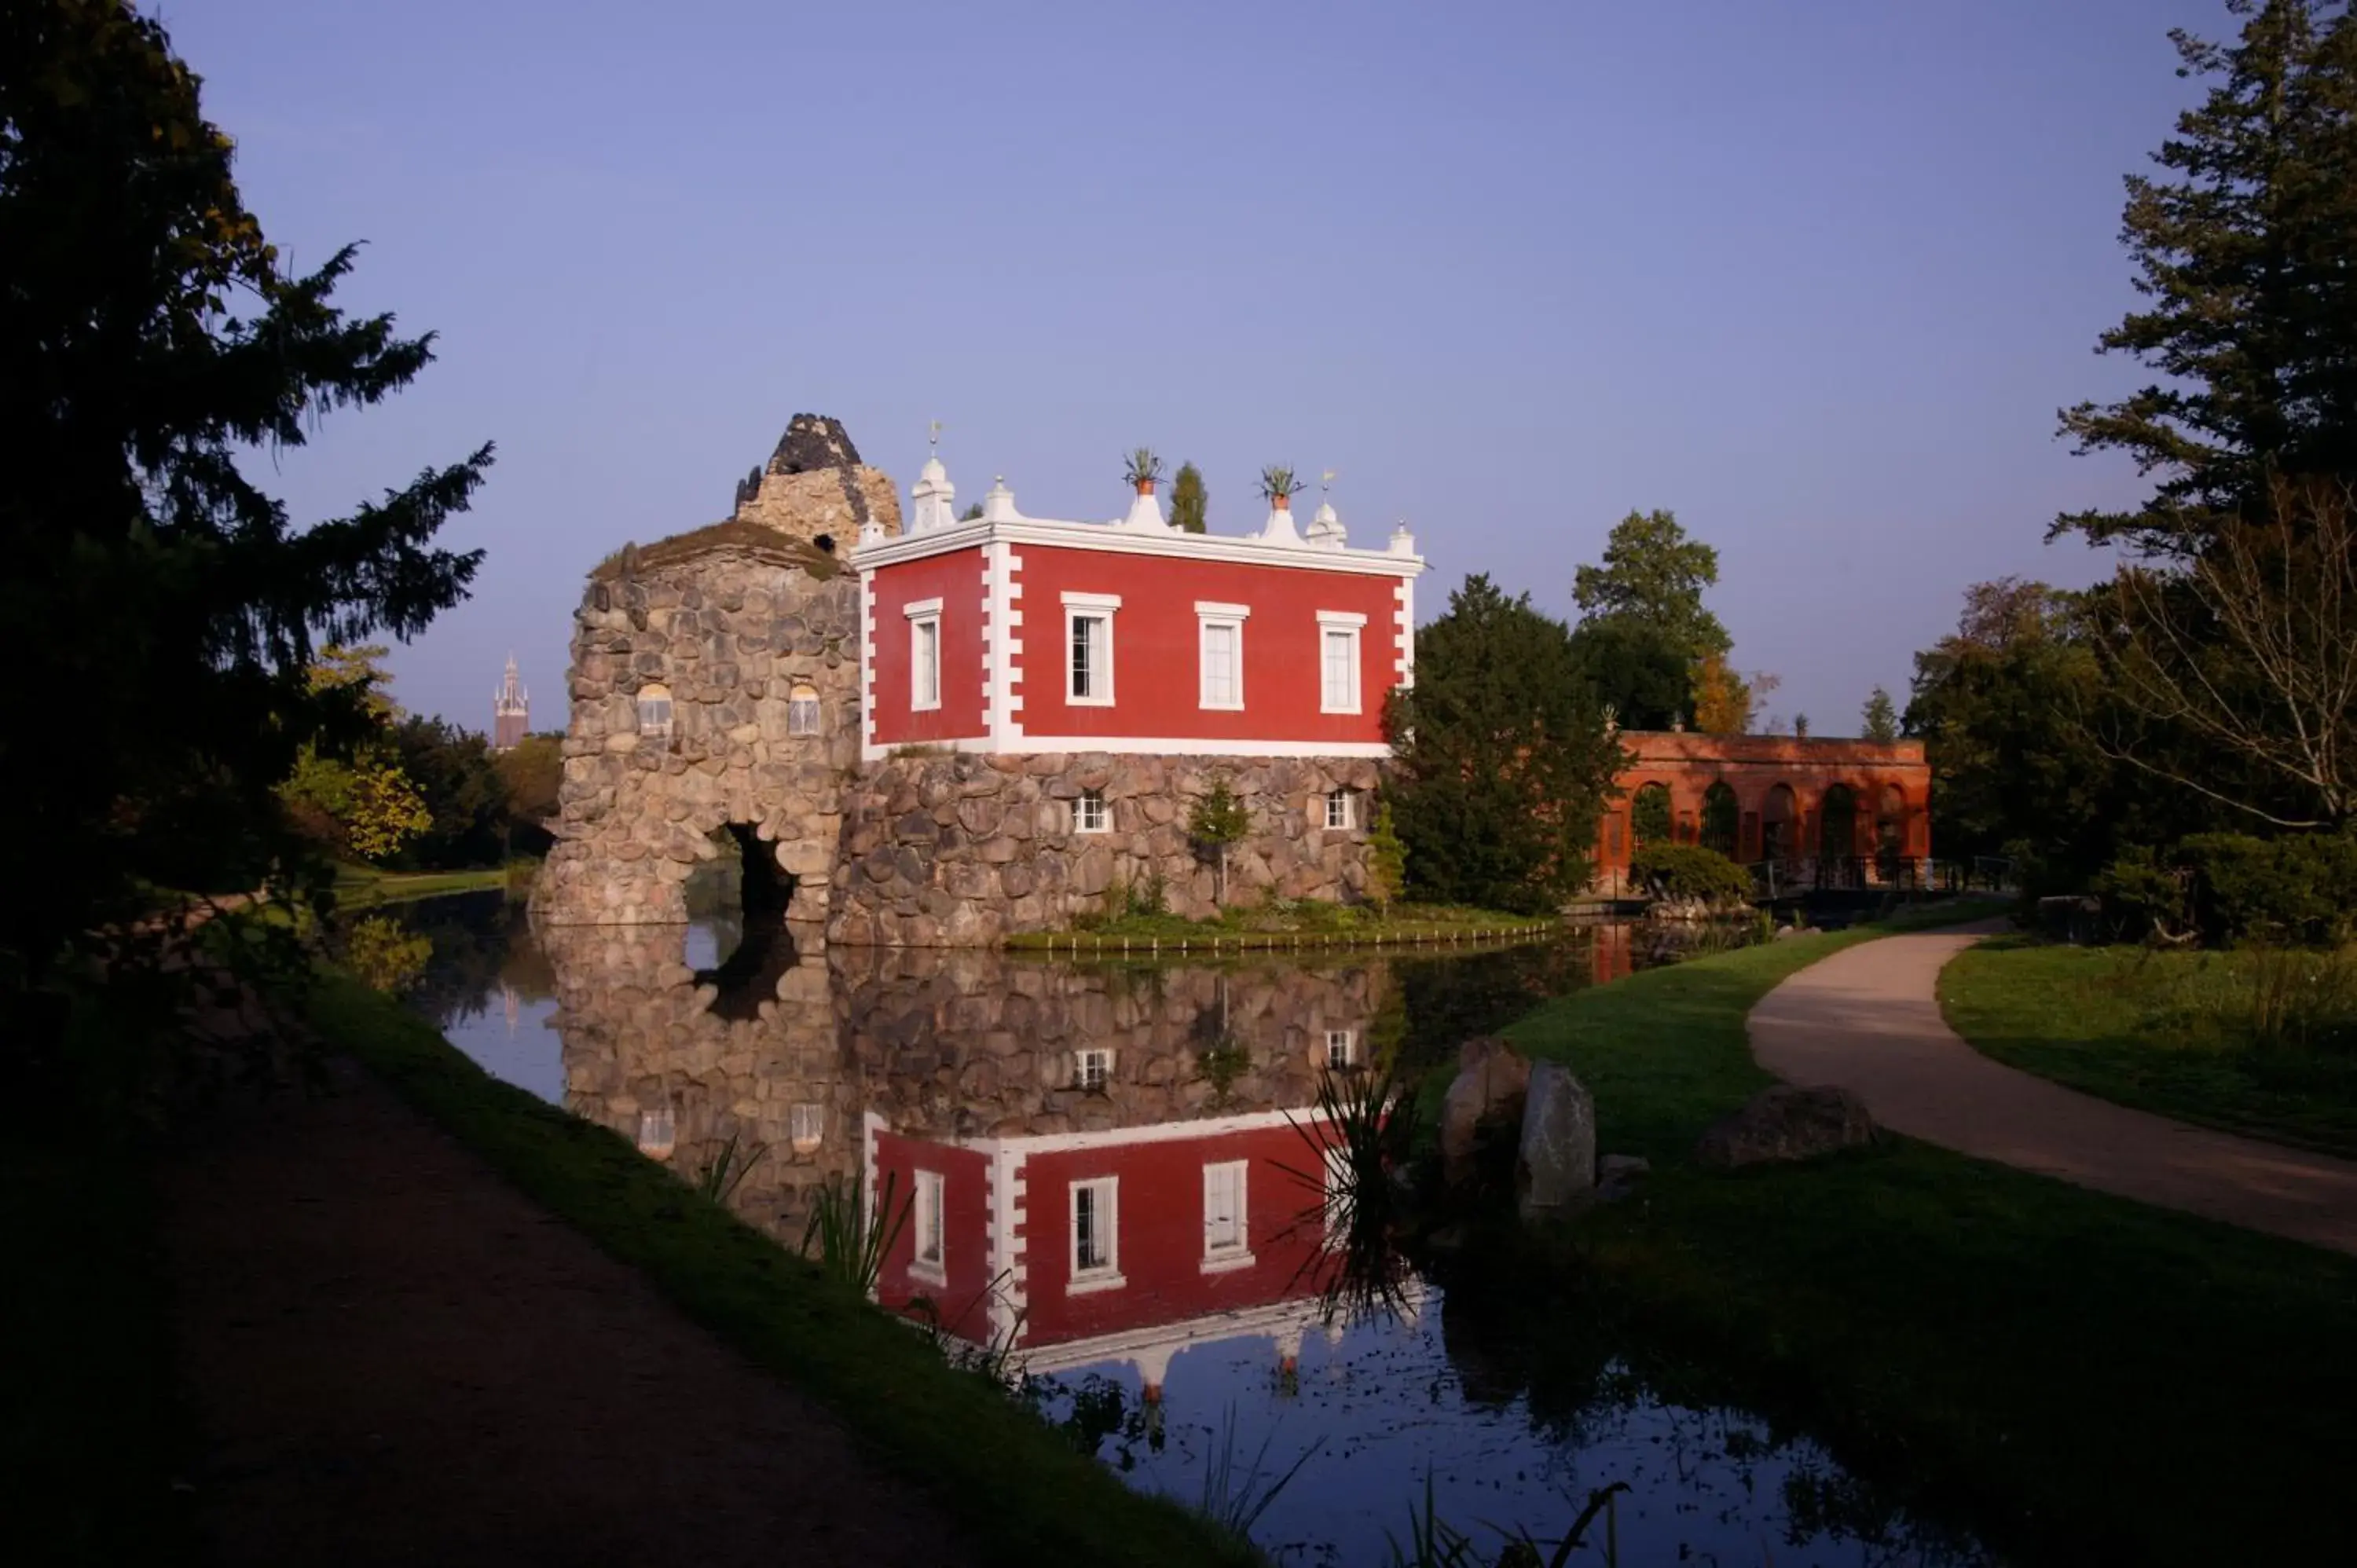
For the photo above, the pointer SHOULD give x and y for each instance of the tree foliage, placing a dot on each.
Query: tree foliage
(2245, 245)
(1218, 821)
(1879, 719)
(1190, 503)
(1724, 703)
(1503, 756)
(1636, 670)
(153, 342)
(1654, 574)
(1386, 860)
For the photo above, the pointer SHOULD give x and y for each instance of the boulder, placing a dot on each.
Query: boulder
(1554, 1169)
(1620, 1175)
(1786, 1122)
(1492, 1083)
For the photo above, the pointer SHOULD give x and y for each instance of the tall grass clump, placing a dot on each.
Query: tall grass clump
(1359, 1135)
(847, 1248)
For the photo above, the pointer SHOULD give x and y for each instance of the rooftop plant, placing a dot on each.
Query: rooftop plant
(1143, 466)
(1278, 482)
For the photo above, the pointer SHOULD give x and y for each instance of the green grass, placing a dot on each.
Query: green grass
(1022, 1495)
(1287, 924)
(2081, 1378)
(2161, 1031)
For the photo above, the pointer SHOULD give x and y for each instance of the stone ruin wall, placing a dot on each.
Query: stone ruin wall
(729, 633)
(963, 850)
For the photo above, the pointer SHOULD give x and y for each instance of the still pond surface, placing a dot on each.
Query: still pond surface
(1106, 1175)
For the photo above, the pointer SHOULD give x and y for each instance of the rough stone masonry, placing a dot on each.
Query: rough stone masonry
(715, 701)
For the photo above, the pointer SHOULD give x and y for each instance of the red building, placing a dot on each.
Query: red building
(1006, 633)
(1816, 809)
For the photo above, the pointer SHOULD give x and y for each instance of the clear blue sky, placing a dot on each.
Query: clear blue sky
(1814, 275)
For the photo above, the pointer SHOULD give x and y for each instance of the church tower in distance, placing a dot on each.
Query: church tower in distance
(510, 712)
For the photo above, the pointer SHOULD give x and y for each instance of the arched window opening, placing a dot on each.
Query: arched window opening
(1649, 814)
(1837, 837)
(654, 710)
(1891, 831)
(1779, 826)
(1722, 818)
(802, 710)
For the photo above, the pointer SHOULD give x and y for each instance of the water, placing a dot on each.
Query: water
(1107, 1178)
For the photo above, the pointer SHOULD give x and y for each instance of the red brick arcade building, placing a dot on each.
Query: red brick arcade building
(1820, 811)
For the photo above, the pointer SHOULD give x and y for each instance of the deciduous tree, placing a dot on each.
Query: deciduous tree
(1654, 575)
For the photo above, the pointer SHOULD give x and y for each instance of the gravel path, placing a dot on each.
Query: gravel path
(392, 1357)
(1868, 1019)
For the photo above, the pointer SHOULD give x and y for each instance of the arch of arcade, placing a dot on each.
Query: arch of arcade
(1825, 812)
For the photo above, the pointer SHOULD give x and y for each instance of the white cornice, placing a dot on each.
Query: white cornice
(1113, 540)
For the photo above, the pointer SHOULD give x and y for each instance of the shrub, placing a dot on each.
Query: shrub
(1688, 871)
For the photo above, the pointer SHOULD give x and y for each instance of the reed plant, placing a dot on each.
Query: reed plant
(1232, 1499)
(848, 1247)
(726, 1171)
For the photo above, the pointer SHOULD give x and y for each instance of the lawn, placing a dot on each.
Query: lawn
(2079, 1378)
(2183, 1034)
(1284, 923)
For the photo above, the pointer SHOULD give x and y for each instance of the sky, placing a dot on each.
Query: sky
(1814, 274)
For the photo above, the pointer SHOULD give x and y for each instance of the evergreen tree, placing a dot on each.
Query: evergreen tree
(1190, 501)
(2245, 249)
(1653, 575)
(151, 584)
(1386, 860)
(1504, 757)
(1881, 717)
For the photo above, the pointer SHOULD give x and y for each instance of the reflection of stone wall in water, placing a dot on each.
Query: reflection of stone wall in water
(960, 850)
(941, 1044)
(977, 1045)
(645, 1055)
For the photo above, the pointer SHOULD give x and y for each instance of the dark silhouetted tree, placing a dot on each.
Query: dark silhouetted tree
(1879, 719)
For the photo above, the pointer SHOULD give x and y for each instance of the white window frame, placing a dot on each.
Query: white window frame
(1349, 810)
(1105, 1202)
(1342, 1048)
(1236, 1252)
(1348, 624)
(797, 708)
(924, 628)
(1229, 618)
(1081, 813)
(1090, 607)
(929, 1247)
(1080, 1059)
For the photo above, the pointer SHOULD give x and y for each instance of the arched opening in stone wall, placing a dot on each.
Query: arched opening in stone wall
(1722, 818)
(1837, 823)
(1649, 814)
(736, 910)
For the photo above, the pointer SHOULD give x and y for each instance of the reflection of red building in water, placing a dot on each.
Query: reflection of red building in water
(1059, 1239)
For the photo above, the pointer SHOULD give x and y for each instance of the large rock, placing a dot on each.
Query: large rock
(1786, 1122)
(1554, 1169)
(1491, 1084)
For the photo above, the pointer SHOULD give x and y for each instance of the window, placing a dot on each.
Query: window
(1088, 641)
(924, 653)
(807, 1127)
(1224, 1213)
(926, 1219)
(802, 710)
(1089, 812)
(1091, 1067)
(1338, 660)
(654, 710)
(1338, 811)
(1220, 654)
(1096, 1233)
(658, 1132)
(1342, 1048)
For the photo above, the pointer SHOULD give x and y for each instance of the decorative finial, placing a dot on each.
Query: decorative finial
(1324, 482)
(934, 440)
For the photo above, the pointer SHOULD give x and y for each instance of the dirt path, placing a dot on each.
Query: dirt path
(1868, 1020)
(394, 1358)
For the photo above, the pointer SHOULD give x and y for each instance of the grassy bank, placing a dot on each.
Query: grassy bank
(1022, 1494)
(2243, 1040)
(2082, 1378)
(1284, 924)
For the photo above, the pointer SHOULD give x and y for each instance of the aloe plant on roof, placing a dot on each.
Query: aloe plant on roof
(1143, 468)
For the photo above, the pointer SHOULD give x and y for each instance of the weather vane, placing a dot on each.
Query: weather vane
(1325, 481)
(936, 438)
